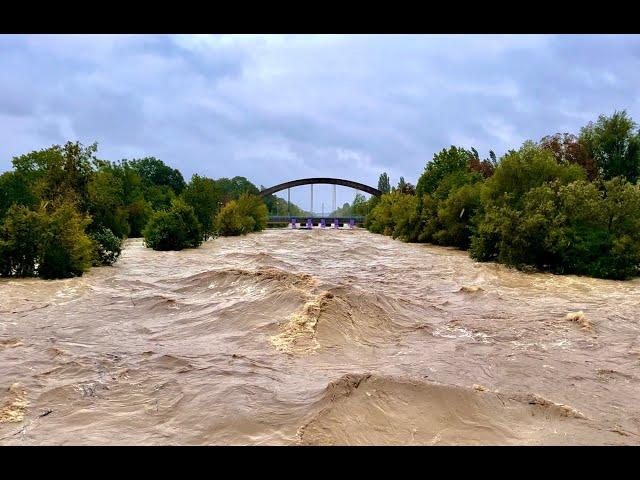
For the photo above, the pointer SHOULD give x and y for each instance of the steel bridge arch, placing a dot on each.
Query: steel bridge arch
(319, 180)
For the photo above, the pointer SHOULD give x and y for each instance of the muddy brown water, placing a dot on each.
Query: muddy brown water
(318, 337)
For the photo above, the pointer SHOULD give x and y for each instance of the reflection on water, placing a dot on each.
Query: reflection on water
(317, 337)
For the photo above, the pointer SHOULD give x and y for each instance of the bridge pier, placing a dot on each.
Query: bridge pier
(334, 199)
(321, 222)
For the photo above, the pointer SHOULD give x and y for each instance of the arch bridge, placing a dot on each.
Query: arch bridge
(314, 181)
(321, 180)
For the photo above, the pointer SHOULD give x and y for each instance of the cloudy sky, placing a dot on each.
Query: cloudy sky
(276, 108)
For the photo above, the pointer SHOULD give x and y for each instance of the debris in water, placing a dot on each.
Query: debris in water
(14, 408)
(471, 289)
(581, 319)
(10, 343)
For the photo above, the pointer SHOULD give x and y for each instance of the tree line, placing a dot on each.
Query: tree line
(566, 204)
(63, 210)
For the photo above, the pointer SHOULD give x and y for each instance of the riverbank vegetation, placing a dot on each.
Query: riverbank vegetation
(242, 216)
(63, 210)
(566, 204)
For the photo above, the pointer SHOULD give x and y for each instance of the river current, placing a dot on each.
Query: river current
(318, 337)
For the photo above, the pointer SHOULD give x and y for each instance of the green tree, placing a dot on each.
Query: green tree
(20, 242)
(242, 216)
(232, 189)
(204, 196)
(106, 202)
(155, 172)
(444, 163)
(66, 250)
(173, 229)
(614, 143)
(384, 185)
(520, 171)
(394, 215)
(567, 228)
(107, 247)
(406, 187)
(14, 189)
(278, 206)
(139, 210)
(359, 206)
(59, 172)
(455, 215)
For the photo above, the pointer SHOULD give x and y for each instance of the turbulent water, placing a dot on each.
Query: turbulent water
(318, 337)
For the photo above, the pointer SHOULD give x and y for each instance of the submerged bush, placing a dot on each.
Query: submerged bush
(174, 229)
(534, 209)
(575, 228)
(66, 250)
(395, 214)
(49, 244)
(20, 242)
(242, 216)
(107, 247)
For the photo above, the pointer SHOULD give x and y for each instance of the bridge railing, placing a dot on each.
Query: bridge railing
(314, 219)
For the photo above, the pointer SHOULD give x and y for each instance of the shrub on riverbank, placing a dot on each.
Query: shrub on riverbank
(51, 244)
(102, 202)
(393, 215)
(107, 247)
(574, 228)
(67, 251)
(534, 207)
(174, 229)
(20, 242)
(242, 216)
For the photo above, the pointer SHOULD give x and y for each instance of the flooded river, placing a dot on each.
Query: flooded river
(318, 337)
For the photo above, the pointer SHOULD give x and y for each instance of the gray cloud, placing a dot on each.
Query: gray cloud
(280, 107)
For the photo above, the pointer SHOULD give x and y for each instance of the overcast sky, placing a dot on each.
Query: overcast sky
(276, 108)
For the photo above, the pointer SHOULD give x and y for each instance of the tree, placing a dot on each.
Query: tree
(107, 247)
(520, 171)
(173, 229)
(485, 167)
(359, 206)
(20, 242)
(394, 215)
(59, 173)
(614, 143)
(106, 202)
(278, 206)
(139, 210)
(384, 185)
(567, 228)
(66, 250)
(232, 189)
(455, 215)
(155, 172)
(242, 216)
(204, 195)
(567, 149)
(443, 164)
(14, 189)
(406, 187)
